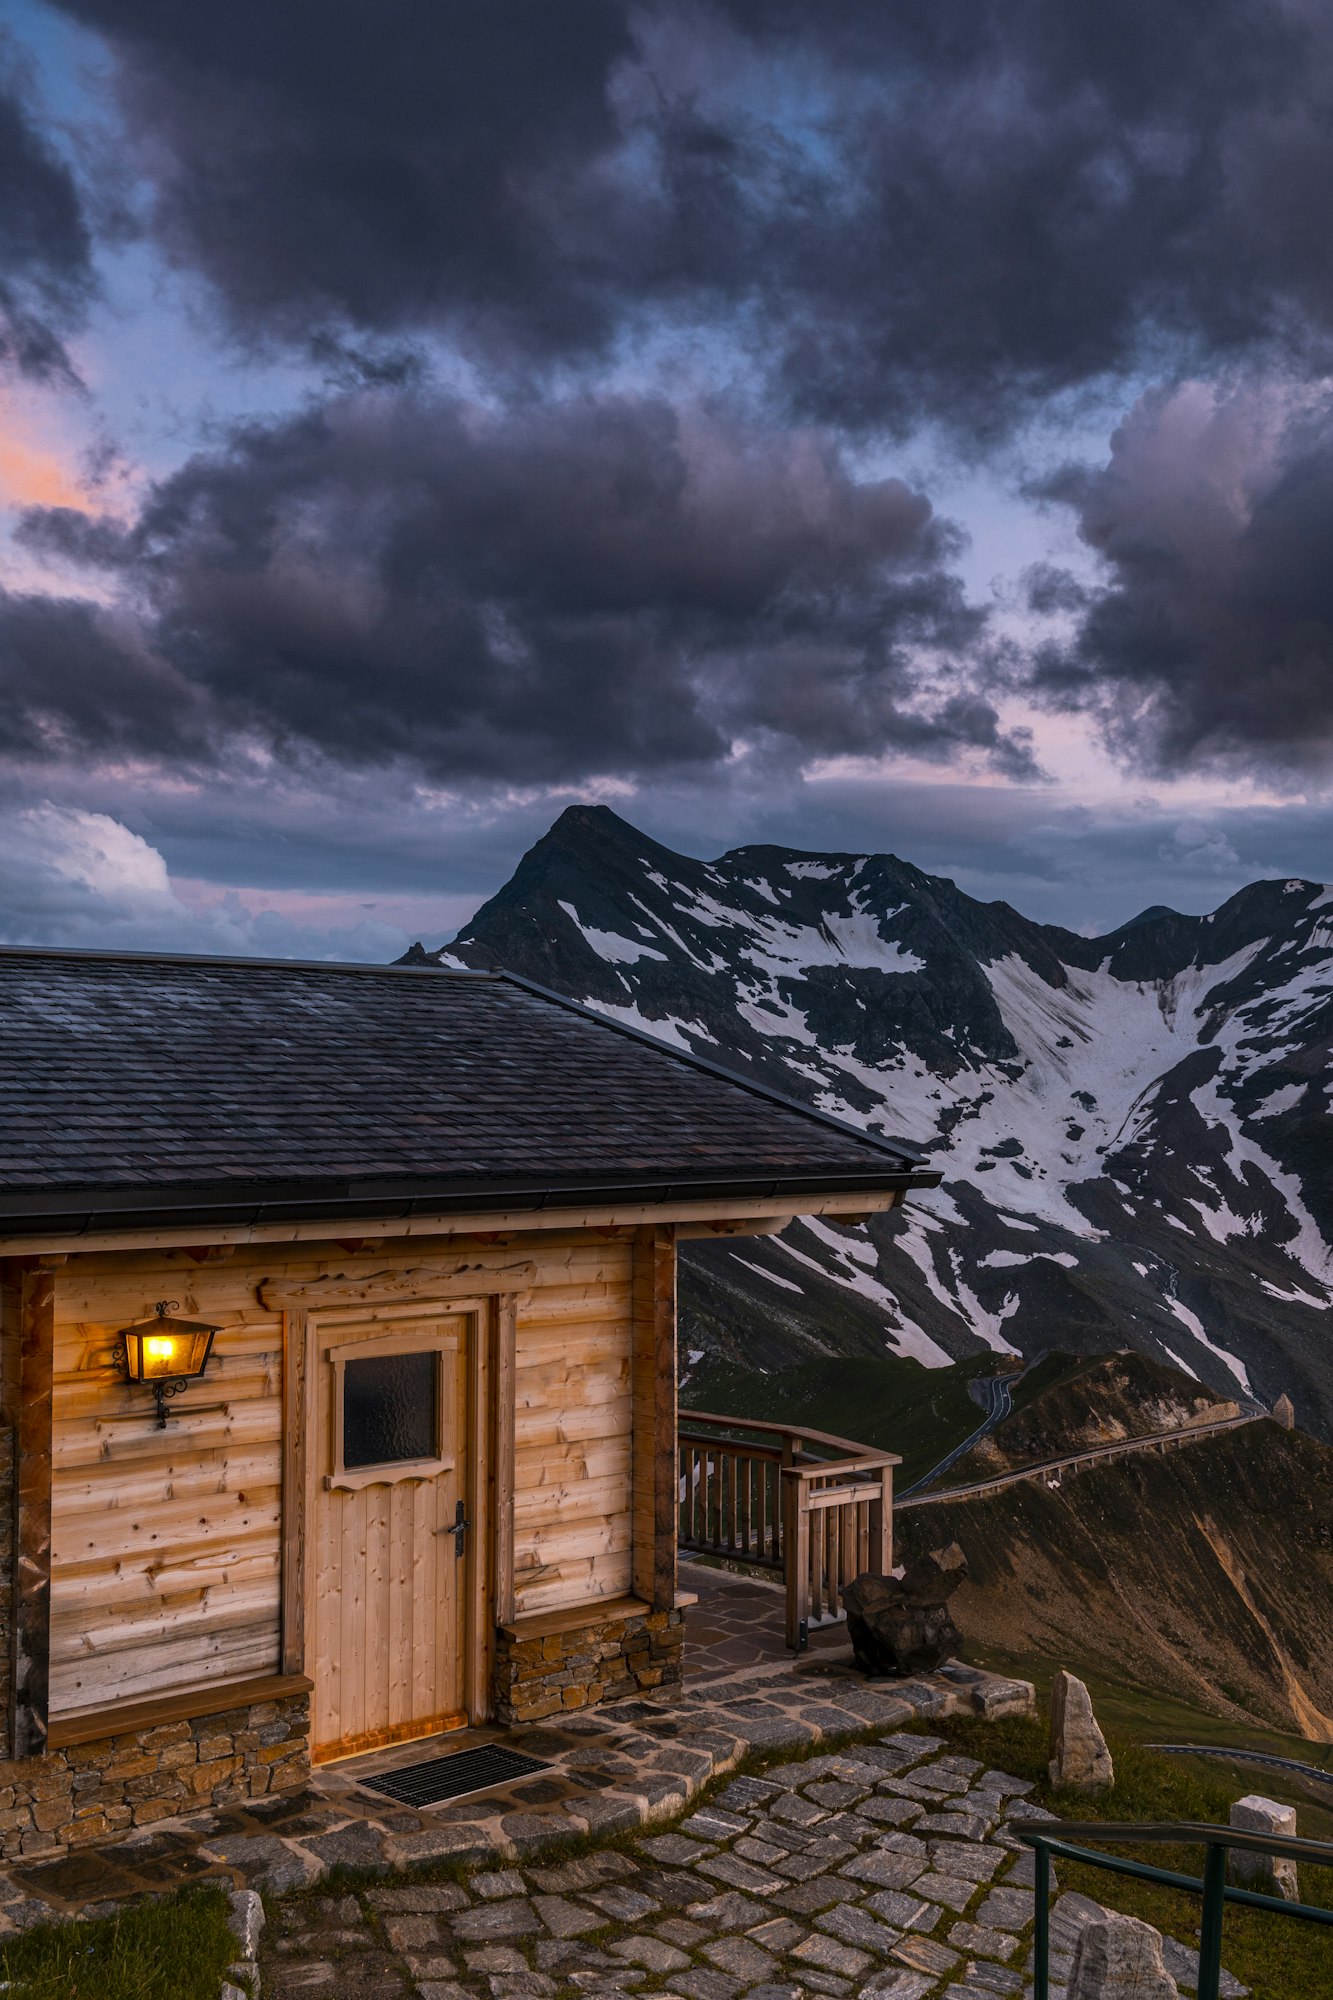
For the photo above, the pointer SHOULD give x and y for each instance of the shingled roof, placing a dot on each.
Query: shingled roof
(223, 1089)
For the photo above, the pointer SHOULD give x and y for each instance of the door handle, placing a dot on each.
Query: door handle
(459, 1529)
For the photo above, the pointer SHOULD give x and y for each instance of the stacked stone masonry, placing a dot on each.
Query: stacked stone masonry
(608, 1660)
(103, 1790)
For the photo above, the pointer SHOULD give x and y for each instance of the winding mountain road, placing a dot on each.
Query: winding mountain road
(1070, 1462)
(999, 1393)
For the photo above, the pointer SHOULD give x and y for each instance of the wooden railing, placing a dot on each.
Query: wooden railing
(816, 1508)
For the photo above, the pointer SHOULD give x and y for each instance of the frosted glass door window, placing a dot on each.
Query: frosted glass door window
(391, 1408)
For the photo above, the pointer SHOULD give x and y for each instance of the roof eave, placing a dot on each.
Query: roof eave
(80, 1212)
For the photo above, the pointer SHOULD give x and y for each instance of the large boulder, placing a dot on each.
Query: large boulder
(1119, 1958)
(1265, 1872)
(901, 1624)
(1078, 1753)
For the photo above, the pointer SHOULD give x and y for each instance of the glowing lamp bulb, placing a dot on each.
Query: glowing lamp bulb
(160, 1349)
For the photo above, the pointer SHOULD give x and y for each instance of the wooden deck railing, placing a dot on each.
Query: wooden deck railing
(816, 1508)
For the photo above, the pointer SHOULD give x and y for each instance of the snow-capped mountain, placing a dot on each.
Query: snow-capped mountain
(1134, 1129)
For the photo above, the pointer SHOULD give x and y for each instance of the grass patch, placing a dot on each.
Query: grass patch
(1139, 1716)
(1278, 1958)
(177, 1948)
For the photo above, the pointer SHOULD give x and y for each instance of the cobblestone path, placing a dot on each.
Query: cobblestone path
(891, 1869)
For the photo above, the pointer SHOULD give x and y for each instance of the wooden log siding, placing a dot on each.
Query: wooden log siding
(165, 1543)
(572, 1419)
(167, 1546)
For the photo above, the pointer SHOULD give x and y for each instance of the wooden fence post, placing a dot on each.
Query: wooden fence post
(796, 1544)
(655, 1455)
(881, 1524)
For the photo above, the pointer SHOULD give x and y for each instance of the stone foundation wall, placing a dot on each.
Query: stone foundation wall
(104, 1789)
(607, 1659)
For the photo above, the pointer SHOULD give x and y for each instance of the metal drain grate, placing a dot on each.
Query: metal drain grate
(443, 1778)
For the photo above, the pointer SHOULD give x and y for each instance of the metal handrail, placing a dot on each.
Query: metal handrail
(1059, 1837)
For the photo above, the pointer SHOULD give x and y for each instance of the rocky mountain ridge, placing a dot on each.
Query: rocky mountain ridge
(1134, 1129)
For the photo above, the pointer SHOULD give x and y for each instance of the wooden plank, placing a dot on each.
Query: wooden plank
(796, 1540)
(419, 1281)
(121, 1718)
(32, 1594)
(880, 1554)
(433, 1229)
(653, 1375)
(502, 1468)
(577, 1583)
(548, 1624)
(474, 1593)
(296, 1447)
(170, 1661)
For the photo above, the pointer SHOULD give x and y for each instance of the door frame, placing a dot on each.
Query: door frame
(311, 1313)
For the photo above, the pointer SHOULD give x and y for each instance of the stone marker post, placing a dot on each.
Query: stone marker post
(1078, 1753)
(1264, 1872)
(1284, 1413)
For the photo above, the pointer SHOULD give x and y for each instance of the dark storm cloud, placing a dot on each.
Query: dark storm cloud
(957, 209)
(45, 250)
(599, 585)
(76, 678)
(1213, 640)
(382, 165)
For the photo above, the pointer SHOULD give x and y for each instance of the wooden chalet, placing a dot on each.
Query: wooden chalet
(338, 1360)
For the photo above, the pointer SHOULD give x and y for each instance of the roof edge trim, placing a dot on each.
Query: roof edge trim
(80, 954)
(235, 1208)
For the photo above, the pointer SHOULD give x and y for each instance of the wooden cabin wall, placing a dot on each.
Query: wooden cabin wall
(166, 1543)
(572, 1495)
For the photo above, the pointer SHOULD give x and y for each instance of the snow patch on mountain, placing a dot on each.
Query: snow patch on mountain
(1132, 1147)
(608, 945)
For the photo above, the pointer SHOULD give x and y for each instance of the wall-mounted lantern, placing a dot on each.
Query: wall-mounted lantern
(165, 1354)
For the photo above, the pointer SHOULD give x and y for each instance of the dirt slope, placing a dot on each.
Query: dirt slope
(1205, 1571)
(1066, 1404)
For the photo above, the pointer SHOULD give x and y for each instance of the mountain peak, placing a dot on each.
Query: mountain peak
(1128, 1126)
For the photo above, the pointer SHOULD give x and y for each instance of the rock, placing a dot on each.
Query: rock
(245, 1920)
(1264, 1872)
(1118, 1958)
(1078, 1754)
(1284, 1412)
(901, 1625)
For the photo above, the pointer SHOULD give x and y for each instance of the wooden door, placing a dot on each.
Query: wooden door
(390, 1583)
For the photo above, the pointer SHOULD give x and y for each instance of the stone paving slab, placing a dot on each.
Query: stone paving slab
(611, 1770)
(649, 1921)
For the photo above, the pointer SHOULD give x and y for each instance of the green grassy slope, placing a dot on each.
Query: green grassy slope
(881, 1401)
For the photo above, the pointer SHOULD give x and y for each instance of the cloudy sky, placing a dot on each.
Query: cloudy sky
(850, 425)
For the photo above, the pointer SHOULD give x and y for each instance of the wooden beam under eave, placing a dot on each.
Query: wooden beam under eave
(653, 1391)
(32, 1539)
(507, 1222)
(298, 1422)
